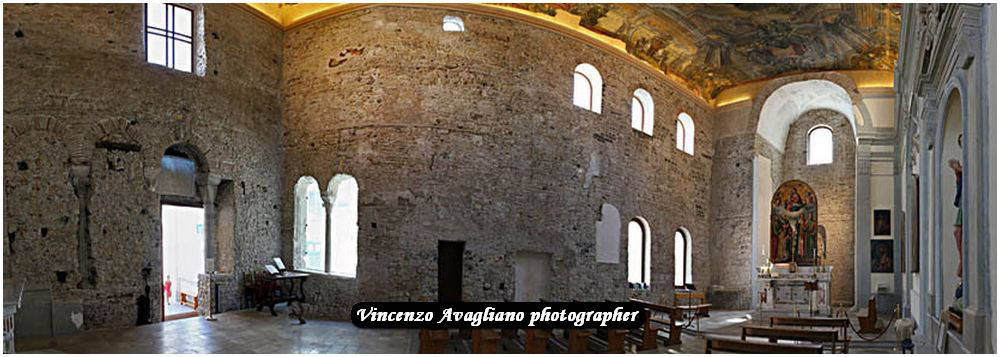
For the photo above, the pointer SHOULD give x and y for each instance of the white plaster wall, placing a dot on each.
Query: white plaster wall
(882, 198)
(763, 187)
(881, 110)
(787, 103)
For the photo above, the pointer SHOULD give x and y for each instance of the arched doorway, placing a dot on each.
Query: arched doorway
(183, 230)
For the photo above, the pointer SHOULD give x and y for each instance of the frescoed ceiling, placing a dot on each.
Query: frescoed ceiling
(711, 47)
(715, 46)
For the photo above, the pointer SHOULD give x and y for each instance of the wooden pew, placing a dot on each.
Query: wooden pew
(837, 323)
(869, 319)
(773, 334)
(578, 340)
(735, 345)
(650, 334)
(485, 341)
(433, 341)
(535, 340)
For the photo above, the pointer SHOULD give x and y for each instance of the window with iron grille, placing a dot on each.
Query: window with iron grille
(168, 36)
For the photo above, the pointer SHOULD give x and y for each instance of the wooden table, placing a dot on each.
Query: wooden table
(287, 293)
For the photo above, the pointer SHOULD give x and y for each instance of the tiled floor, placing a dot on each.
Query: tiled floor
(235, 332)
(258, 332)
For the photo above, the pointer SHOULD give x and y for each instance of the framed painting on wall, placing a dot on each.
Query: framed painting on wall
(882, 256)
(883, 222)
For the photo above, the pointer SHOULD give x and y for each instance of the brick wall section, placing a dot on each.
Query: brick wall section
(472, 136)
(834, 185)
(75, 75)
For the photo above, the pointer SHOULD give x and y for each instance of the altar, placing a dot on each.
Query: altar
(807, 290)
(794, 278)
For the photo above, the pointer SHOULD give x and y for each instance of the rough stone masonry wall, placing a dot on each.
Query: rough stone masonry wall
(79, 95)
(472, 136)
(834, 185)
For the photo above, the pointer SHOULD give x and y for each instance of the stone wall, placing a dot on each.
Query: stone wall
(472, 136)
(834, 185)
(86, 121)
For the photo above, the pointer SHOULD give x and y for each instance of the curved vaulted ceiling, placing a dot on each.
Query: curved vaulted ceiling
(711, 47)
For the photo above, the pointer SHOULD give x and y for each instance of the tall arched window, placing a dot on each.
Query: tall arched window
(642, 111)
(638, 252)
(310, 226)
(820, 146)
(682, 259)
(587, 87)
(685, 133)
(343, 192)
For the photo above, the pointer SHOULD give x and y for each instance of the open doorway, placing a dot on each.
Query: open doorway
(183, 259)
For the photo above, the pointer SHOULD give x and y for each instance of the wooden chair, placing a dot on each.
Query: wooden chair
(736, 345)
(773, 334)
(868, 319)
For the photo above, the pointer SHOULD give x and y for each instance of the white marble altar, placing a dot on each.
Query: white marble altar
(785, 291)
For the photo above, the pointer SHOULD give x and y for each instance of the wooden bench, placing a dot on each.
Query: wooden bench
(691, 300)
(433, 341)
(735, 345)
(485, 340)
(837, 323)
(536, 340)
(773, 334)
(650, 334)
(869, 319)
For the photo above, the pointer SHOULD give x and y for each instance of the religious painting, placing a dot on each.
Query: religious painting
(883, 223)
(794, 224)
(882, 256)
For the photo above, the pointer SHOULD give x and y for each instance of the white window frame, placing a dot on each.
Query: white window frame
(645, 253)
(170, 35)
(587, 76)
(811, 155)
(642, 111)
(685, 133)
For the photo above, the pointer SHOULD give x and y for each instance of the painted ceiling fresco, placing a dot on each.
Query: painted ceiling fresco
(715, 46)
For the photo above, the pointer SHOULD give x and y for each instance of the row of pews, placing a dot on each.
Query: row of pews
(535, 340)
(815, 332)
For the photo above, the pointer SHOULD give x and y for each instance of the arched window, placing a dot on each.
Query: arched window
(820, 146)
(310, 226)
(587, 86)
(682, 259)
(638, 252)
(685, 133)
(343, 192)
(453, 24)
(642, 111)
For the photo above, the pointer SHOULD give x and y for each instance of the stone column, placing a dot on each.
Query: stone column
(328, 208)
(207, 186)
(80, 178)
(862, 227)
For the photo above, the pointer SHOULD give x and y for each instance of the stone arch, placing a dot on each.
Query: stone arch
(787, 103)
(192, 152)
(950, 124)
(765, 92)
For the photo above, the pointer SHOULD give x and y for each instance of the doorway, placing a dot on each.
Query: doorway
(183, 259)
(450, 270)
